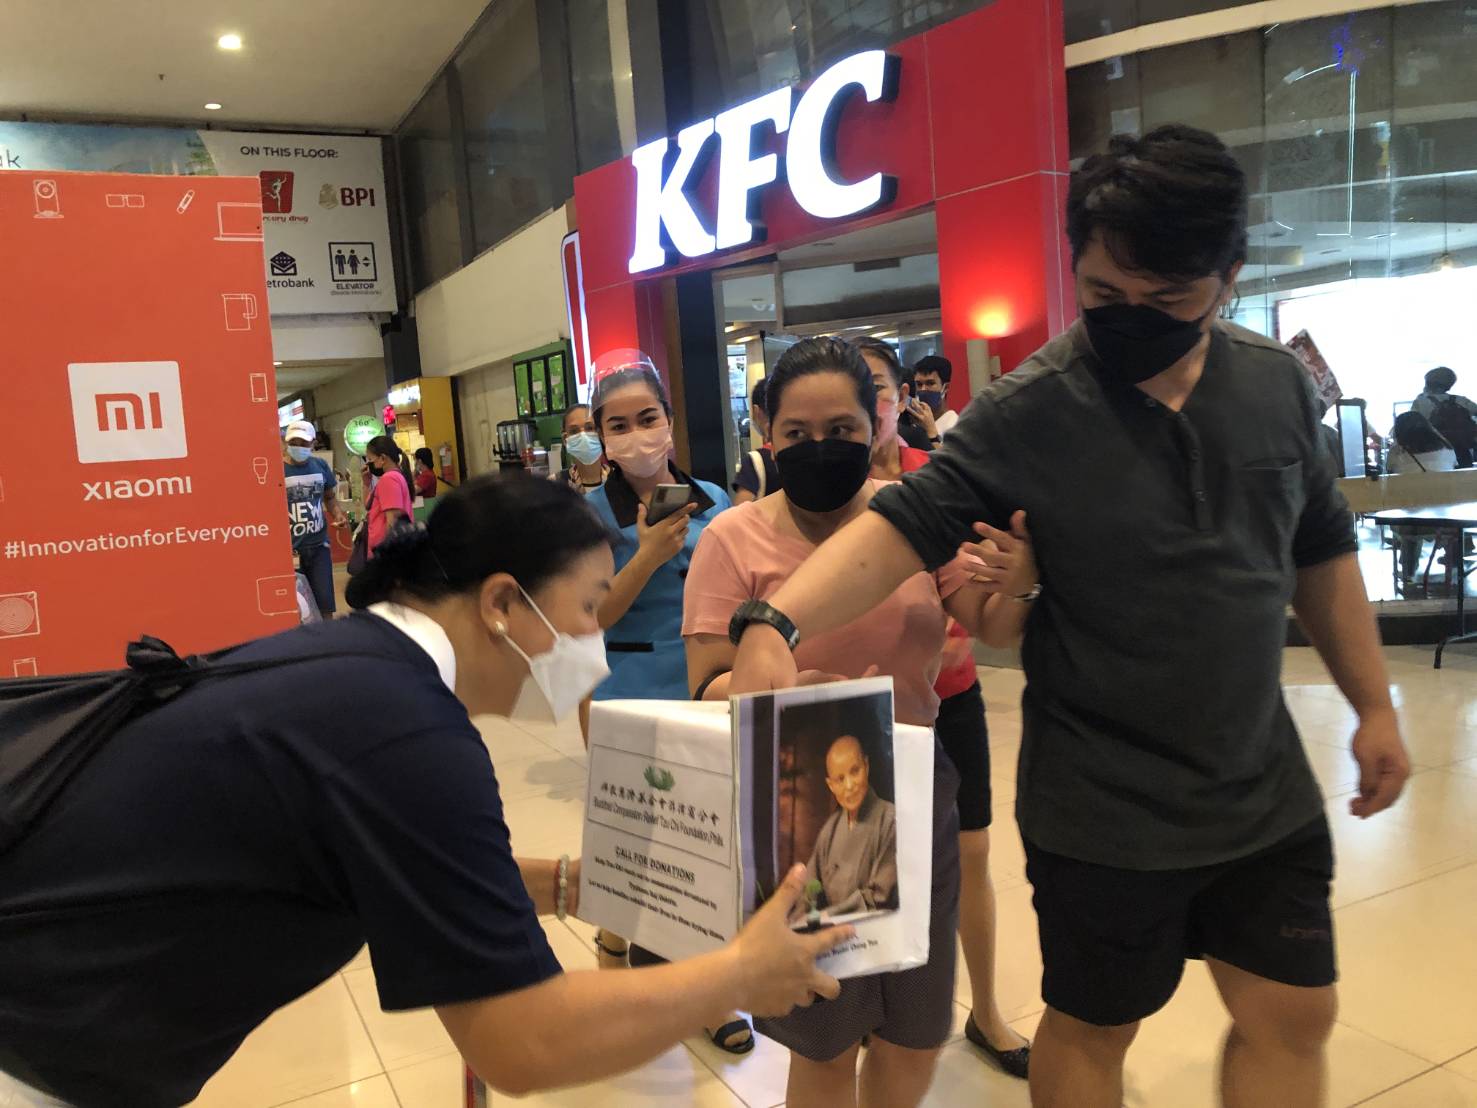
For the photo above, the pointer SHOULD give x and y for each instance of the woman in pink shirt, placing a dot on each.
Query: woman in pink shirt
(389, 501)
(823, 415)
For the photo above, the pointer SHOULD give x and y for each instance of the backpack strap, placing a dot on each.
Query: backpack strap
(757, 459)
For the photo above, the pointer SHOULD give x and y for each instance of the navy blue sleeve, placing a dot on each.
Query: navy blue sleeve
(417, 826)
(748, 478)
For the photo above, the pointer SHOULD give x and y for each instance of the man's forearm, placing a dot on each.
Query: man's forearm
(578, 1027)
(849, 574)
(1334, 610)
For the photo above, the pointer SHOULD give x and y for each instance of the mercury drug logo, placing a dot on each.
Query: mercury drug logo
(283, 264)
(127, 411)
(276, 191)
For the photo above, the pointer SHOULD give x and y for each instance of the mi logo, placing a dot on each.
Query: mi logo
(127, 411)
(124, 411)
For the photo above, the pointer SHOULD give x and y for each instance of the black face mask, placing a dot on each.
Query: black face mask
(1135, 341)
(823, 476)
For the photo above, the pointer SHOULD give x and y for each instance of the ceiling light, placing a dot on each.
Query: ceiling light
(276, 363)
(229, 42)
(212, 107)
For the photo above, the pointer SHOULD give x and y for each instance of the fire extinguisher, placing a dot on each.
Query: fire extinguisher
(444, 450)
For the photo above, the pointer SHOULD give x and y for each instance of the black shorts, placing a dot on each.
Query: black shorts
(1114, 941)
(966, 740)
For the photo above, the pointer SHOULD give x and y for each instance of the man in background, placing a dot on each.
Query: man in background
(931, 377)
(311, 502)
(1454, 417)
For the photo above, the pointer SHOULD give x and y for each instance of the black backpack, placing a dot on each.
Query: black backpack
(51, 726)
(1455, 424)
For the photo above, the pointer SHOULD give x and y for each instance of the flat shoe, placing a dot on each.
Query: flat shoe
(721, 1037)
(1016, 1063)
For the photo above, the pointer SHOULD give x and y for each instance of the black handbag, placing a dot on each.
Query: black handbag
(359, 556)
(51, 726)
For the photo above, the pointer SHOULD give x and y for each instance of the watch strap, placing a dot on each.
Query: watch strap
(758, 611)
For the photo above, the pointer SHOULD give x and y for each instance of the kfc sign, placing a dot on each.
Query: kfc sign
(664, 209)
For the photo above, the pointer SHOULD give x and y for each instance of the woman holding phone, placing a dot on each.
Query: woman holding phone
(659, 513)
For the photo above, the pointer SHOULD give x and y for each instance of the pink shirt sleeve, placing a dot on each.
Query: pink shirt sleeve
(393, 494)
(715, 585)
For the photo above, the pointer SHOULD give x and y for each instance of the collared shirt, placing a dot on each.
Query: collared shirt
(1155, 735)
(425, 632)
(856, 863)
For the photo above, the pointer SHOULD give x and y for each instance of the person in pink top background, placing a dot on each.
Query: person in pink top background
(389, 500)
(823, 413)
(965, 738)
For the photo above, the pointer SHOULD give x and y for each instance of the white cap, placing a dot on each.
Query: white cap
(300, 429)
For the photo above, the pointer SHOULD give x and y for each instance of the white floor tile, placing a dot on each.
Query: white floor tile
(400, 1038)
(1017, 958)
(372, 1092)
(315, 1044)
(1439, 1088)
(546, 774)
(438, 1083)
(677, 1077)
(1409, 962)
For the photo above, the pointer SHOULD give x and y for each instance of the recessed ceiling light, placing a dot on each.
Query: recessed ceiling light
(212, 107)
(229, 42)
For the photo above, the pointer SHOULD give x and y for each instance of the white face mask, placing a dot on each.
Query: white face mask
(560, 677)
(641, 453)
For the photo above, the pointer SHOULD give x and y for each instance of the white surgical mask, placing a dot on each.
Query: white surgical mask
(641, 453)
(560, 677)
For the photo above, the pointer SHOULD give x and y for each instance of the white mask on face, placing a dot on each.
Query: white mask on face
(560, 677)
(641, 453)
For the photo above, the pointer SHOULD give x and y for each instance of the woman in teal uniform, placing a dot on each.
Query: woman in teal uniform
(642, 616)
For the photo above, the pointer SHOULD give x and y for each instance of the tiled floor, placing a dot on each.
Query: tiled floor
(1406, 902)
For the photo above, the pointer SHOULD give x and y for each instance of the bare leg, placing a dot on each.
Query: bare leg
(1276, 1052)
(822, 1084)
(895, 1076)
(1078, 1065)
(610, 950)
(977, 934)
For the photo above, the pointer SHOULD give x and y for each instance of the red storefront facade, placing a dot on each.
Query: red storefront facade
(975, 130)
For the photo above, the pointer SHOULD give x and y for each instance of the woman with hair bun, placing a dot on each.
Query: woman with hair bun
(228, 851)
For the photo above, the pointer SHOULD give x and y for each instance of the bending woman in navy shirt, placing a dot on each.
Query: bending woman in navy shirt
(227, 852)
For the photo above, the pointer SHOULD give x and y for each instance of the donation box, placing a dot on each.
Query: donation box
(695, 813)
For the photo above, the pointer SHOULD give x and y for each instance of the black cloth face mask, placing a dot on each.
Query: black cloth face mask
(823, 475)
(1136, 341)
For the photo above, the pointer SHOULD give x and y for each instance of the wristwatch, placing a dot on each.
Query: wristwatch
(757, 611)
(1028, 597)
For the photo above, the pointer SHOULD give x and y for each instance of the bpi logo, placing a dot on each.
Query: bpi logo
(127, 411)
(276, 191)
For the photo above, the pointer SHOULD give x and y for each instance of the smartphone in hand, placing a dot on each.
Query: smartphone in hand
(666, 500)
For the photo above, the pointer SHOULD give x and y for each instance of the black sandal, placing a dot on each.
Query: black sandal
(720, 1037)
(1016, 1063)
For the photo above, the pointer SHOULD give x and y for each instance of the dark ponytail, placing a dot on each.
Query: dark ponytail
(386, 447)
(528, 528)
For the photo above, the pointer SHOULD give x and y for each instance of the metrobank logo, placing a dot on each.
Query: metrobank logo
(127, 411)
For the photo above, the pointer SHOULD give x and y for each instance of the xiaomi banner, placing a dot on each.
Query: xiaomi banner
(141, 491)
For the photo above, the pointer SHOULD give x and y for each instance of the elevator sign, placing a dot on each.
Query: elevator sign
(669, 227)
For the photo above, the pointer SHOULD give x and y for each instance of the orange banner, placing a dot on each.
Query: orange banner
(141, 491)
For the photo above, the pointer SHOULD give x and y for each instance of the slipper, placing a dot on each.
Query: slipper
(1017, 1062)
(721, 1037)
